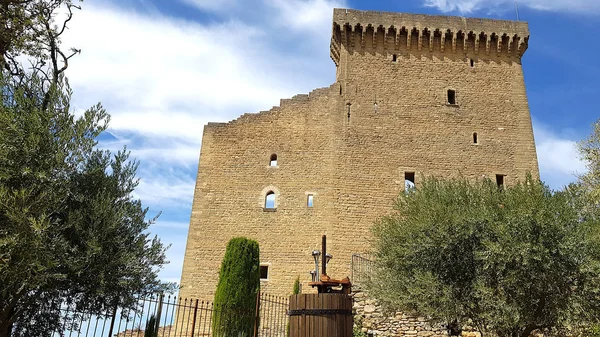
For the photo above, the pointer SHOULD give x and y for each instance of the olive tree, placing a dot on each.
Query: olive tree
(507, 260)
(71, 233)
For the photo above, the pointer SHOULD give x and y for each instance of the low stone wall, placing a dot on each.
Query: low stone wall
(371, 319)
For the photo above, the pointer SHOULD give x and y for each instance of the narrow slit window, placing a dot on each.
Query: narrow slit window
(409, 181)
(475, 139)
(500, 180)
(472, 62)
(394, 58)
(270, 200)
(451, 97)
(264, 272)
(348, 107)
(309, 200)
(273, 161)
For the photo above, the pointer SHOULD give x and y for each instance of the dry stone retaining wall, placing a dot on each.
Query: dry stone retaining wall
(371, 318)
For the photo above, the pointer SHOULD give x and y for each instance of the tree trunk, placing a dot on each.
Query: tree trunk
(6, 322)
(528, 330)
(5, 328)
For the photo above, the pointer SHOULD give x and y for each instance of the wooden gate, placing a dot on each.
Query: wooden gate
(320, 315)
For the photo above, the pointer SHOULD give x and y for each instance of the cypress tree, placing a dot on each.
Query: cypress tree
(237, 290)
(151, 326)
(296, 290)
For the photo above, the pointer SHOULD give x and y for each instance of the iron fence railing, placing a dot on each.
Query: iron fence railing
(362, 268)
(172, 316)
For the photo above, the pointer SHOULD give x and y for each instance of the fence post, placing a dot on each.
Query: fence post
(194, 319)
(257, 314)
(158, 313)
(112, 322)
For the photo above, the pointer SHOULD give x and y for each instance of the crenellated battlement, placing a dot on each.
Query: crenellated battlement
(371, 30)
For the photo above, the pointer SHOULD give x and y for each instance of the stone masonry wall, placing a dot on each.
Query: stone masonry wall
(370, 318)
(350, 145)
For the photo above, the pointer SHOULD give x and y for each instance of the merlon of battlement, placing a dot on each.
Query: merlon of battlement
(358, 30)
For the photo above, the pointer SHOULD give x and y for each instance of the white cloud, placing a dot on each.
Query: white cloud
(306, 15)
(153, 122)
(165, 190)
(152, 70)
(469, 6)
(212, 5)
(164, 76)
(558, 157)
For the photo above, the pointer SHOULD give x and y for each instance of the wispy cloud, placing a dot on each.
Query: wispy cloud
(305, 15)
(212, 5)
(165, 190)
(590, 7)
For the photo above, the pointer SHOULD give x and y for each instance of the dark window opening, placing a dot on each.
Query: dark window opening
(472, 62)
(409, 181)
(394, 58)
(270, 200)
(264, 272)
(451, 97)
(348, 106)
(500, 180)
(309, 200)
(340, 90)
(273, 161)
(475, 140)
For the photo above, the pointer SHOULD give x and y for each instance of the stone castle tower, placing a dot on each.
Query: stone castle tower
(414, 95)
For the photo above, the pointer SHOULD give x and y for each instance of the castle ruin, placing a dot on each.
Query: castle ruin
(414, 95)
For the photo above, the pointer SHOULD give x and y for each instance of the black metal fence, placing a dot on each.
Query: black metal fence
(172, 316)
(362, 268)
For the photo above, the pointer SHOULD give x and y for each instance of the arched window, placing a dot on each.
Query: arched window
(273, 161)
(409, 181)
(270, 200)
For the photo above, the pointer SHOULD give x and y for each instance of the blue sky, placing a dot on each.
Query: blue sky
(164, 68)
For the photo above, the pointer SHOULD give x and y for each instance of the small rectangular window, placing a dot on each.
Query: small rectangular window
(394, 58)
(409, 181)
(309, 200)
(264, 272)
(500, 180)
(451, 97)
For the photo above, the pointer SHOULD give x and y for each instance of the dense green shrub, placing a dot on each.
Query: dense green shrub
(237, 290)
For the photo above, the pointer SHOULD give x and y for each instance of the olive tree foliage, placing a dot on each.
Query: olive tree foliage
(589, 150)
(507, 261)
(30, 40)
(71, 232)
